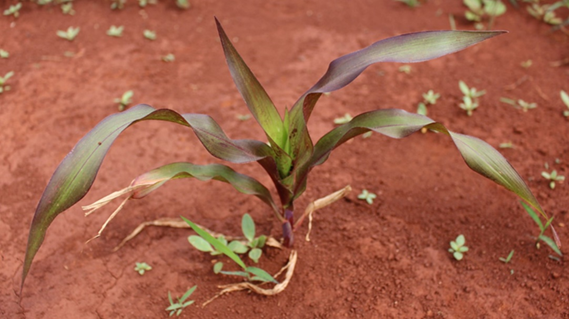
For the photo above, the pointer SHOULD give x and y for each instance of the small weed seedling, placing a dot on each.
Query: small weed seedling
(526, 64)
(343, 120)
(124, 100)
(565, 99)
(243, 117)
(250, 273)
(141, 268)
(519, 104)
(468, 104)
(542, 228)
(13, 10)
(115, 31)
(4, 54)
(150, 35)
(405, 69)
(168, 58)
(506, 145)
(70, 34)
(287, 153)
(67, 8)
(118, 4)
(478, 9)
(507, 259)
(144, 3)
(431, 97)
(552, 178)
(367, 196)
(457, 248)
(470, 98)
(3, 80)
(410, 3)
(183, 4)
(178, 307)
(253, 244)
(472, 93)
(545, 13)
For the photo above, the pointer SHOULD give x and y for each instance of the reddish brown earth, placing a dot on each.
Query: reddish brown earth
(386, 260)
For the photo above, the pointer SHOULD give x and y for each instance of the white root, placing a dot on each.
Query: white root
(256, 289)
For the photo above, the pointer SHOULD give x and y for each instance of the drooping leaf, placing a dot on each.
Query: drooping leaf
(216, 243)
(406, 48)
(150, 181)
(76, 173)
(248, 227)
(257, 100)
(478, 155)
(551, 244)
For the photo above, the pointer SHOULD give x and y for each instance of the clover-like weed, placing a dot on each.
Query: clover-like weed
(178, 306)
(149, 34)
(507, 259)
(115, 31)
(289, 153)
(367, 196)
(124, 100)
(546, 12)
(141, 268)
(565, 100)
(552, 178)
(3, 86)
(70, 34)
(551, 243)
(457, 248)
(13, 10)
(468, 104)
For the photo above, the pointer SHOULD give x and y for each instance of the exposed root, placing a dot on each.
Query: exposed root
(109, 219)
(256, 289)
(177, 223)
(321, 203)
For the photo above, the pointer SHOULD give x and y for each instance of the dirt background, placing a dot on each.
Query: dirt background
(386, 260)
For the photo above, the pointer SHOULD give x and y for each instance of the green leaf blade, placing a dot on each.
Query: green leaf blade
(76, 173)
(248, 227)
(255, 97)
(215, 243)
(263, 275)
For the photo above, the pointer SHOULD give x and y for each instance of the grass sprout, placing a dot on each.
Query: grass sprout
(542, 228)
(178, 307)
(507, 259)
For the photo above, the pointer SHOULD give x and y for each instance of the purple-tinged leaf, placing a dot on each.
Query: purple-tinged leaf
(478, 155)
(406, 48)
(150, 181)
(76, 173)
(258, 101)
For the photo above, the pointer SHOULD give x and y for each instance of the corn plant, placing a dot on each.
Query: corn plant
(289, 154)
